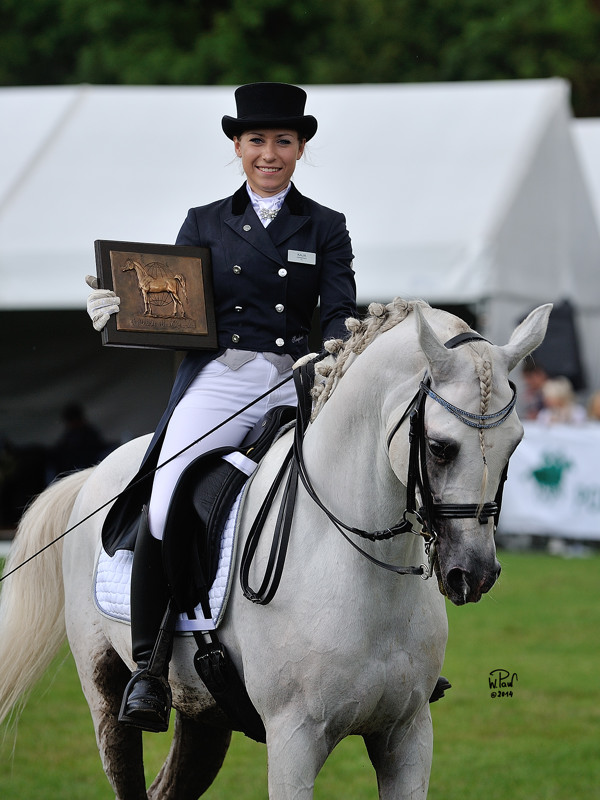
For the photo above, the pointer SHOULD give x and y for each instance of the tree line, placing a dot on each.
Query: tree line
(228, 42)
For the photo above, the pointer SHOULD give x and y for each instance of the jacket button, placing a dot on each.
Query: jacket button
(235, 338)
(238, 308)
(279, 342)
(237, 269)
(247, 227)
(282, 273)
(279, 308)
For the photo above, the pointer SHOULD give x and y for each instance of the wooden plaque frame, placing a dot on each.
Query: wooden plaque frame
(166, 295)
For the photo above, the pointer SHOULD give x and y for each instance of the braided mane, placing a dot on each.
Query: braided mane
(379, 318)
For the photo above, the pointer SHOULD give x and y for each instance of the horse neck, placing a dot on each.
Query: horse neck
(143, 276)
(345, 448)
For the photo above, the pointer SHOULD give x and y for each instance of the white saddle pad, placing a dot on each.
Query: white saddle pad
(113, 578)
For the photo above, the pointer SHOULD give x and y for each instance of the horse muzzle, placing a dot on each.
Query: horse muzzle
(464, 578)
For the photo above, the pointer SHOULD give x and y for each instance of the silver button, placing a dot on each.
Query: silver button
(279, 342)
(279, 308)
(247, 227)
(282, 273)
(237, 269)
(238, 308)
(235, 338)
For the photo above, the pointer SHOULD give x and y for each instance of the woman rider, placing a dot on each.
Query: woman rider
(275, 256)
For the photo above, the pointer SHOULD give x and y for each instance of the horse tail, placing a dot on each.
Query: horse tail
(32, 600)
(181, 280)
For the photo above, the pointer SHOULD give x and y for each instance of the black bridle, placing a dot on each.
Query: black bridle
(421, 521)
(418, 478)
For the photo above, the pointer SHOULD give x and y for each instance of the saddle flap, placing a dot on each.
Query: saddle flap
(199, 507)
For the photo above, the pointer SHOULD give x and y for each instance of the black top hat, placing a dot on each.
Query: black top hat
(270, 105)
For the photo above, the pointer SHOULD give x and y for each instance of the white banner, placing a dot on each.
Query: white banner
(553, 486)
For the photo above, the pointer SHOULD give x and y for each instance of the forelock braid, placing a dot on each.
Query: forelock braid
(484, 370)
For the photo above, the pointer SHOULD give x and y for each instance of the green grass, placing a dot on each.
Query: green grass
(541, 621)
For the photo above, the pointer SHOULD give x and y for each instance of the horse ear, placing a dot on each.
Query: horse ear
(436, 354)
(527, 336)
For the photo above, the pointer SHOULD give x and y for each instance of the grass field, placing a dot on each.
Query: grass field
(542, 622)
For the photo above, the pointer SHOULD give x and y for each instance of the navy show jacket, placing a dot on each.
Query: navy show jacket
(265, 292)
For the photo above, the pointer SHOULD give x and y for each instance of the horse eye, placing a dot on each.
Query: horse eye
(442, 451)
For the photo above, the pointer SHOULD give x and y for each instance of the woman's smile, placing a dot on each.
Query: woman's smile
(269, 158)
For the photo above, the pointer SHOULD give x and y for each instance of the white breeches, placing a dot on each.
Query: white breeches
(215, 394)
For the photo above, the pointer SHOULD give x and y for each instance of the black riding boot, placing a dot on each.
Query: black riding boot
(147, 698)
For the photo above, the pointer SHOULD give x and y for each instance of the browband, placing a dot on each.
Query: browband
(461, 338)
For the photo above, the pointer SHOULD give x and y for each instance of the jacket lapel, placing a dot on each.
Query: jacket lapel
(291, 217)
(244, 222)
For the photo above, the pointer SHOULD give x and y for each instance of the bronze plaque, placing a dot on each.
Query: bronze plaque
(166, 295)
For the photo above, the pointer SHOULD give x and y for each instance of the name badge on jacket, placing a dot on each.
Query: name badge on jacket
(301, 257)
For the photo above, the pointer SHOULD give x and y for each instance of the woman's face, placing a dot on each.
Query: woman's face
(269, 158)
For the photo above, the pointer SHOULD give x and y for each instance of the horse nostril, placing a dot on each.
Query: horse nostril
(458, 581)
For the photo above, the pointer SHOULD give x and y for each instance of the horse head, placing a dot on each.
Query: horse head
(468, 430)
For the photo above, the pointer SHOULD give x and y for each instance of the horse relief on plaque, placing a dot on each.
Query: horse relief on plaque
(165, 291)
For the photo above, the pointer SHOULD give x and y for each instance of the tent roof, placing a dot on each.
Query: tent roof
(425, 174)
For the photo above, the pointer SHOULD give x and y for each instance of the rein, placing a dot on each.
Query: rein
(294, 460)
(387, 533)
(418, 480)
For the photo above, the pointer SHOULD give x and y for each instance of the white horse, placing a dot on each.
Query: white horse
(345, 647)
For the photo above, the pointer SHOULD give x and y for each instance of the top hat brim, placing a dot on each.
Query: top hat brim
(305, 125)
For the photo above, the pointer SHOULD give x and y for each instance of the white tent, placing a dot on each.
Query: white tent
(586, 133)
(461, 193)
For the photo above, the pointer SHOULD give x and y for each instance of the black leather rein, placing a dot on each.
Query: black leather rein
(421, 522)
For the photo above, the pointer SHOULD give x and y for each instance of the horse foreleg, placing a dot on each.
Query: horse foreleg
(402, 758)
(195, 758)
(296, 754)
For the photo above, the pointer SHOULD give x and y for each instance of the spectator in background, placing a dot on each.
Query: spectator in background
(535, 377)
(593, 408)
(80, 445)
(560, 405)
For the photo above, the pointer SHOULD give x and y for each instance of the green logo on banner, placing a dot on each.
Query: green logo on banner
(550, 473)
